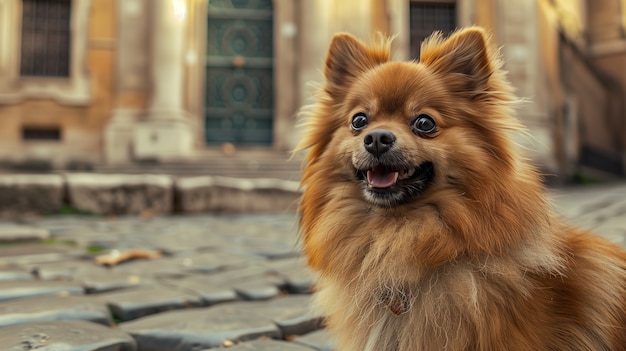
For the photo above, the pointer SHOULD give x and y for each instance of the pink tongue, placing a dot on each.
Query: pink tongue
(380, 178)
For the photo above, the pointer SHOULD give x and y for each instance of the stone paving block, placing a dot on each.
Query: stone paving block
(318, 340)
(134, 303)
(269, 345)
(599, 208)
(589, 205)
(32, 254)
(185, 242)
(86, 237)
(270, 251)
(256, 282)
(161, 267)
(294, 316)
(120, 194)
(182, 265)
(110, 280)
(198, 329)
(30, 193)
(172, 237)
(265, 235)
(211, 327)
(12, 233)
(598, 213)
(54, 308)
(62, 224)
(256, 290)
(65, 336)
(210, 262)
(214, 291)
(63, 270)
(14, 290)
(14, 274)
(614, 229)
(298, 276)
(210, 294)
(224, 194)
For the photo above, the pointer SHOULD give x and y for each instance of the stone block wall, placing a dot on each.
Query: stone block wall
(29, 193)
(120, 194)
(136, 194)
(221, 194)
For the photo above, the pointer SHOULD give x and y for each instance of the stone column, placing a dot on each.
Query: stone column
(518, 31)
(165, 131)
(130, 81)
(314, 38)
(285, 51)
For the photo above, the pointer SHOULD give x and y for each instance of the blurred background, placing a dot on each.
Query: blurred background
(214, 86)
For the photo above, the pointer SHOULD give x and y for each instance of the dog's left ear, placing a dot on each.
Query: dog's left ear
(466, 58)
(347, 58)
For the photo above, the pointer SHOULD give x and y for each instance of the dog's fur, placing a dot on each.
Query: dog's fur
(466, 254)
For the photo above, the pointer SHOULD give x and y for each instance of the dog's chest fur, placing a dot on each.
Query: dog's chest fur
(445, 309)
(426, 315)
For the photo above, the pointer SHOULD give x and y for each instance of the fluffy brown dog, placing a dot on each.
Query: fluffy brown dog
(428, 229)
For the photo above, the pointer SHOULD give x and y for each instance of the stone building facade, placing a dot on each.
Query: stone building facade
(170, 80)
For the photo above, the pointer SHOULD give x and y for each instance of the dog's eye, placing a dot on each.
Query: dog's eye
(359, 121)
(424, 124)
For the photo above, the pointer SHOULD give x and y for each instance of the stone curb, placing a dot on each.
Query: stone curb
(30, 193)
(135, 194)
(120, 194)
(222, 194)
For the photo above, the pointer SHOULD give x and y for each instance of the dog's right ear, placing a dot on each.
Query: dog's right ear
(347, 58)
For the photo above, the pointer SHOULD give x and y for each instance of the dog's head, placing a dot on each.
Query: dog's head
(398, 130)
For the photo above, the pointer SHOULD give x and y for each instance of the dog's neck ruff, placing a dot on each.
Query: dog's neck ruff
(397, 301)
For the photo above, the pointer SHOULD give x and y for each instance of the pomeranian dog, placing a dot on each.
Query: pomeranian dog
(427, 228)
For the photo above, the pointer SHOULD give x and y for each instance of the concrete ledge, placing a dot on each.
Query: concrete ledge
(127, 194)
(222, 194)
(30, 193)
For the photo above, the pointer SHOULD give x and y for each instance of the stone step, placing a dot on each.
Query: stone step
(244, 163)
(284, 174)
(140, 194)
(280, 168)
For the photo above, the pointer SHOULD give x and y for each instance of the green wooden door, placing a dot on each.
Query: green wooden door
(239, 80)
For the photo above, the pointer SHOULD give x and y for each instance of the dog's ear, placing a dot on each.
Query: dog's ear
(466, 58)
(347, 58)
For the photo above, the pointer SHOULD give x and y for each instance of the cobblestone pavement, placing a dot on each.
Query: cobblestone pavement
(221, 280)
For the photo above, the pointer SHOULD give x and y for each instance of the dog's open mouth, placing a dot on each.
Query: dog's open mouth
(383, 177)
(389, 186)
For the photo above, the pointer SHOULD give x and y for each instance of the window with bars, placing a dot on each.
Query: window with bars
(428, 17)
(46, 40)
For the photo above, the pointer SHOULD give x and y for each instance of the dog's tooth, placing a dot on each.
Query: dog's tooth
(395, 177)
(408, 173)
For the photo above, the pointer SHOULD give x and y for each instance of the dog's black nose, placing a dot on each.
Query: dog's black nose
(378, 141)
